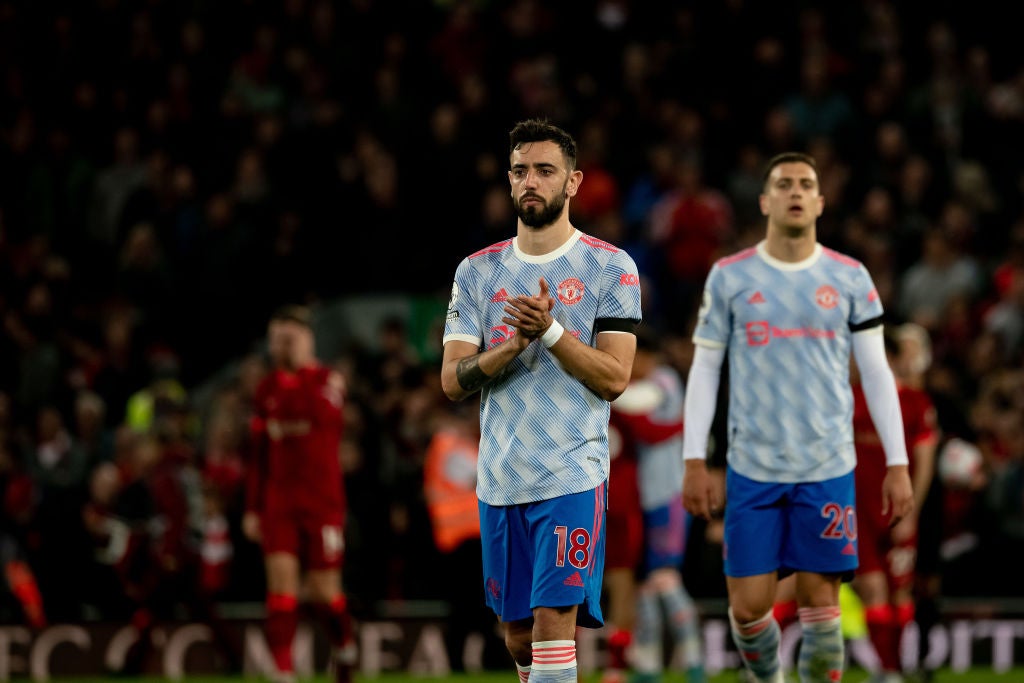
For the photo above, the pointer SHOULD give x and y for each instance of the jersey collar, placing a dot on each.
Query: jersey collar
(551, 255)
(762, 251)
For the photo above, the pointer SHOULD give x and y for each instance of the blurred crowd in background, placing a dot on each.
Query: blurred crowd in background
(175, 171)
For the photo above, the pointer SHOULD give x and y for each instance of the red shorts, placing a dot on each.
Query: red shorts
(624, 518)
(878, 553)
(317, 540)
(624, 539)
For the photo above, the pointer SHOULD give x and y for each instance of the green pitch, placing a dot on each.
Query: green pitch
(853, 676)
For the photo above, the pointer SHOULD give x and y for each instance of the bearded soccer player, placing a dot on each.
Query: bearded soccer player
(542, 325)
(295, 503)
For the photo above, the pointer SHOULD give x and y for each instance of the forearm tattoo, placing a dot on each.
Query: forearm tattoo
(469, 374)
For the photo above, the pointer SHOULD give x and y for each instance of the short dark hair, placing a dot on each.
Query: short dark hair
(788, 158)
(293, 313)
(542, 130)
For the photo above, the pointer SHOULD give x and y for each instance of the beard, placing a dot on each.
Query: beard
(538, 216)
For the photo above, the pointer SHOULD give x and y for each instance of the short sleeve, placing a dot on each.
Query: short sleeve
(866, 303)
(462, 321)
(713, 318)
(620, 293)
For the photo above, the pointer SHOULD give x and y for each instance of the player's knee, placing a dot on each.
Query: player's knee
(520, 646)
(746, 616)
(665, 580)
(748, 624)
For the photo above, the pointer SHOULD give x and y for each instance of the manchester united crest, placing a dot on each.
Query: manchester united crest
(827, 296)
(570, 291)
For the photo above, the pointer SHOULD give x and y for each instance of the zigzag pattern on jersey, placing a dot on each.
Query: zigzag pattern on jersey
(544, 433)
(789, 359)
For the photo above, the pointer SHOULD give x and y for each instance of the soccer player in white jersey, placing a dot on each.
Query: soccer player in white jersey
(542, 324)
(787, 313)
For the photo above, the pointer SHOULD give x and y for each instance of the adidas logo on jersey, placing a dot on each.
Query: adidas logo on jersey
(574, 580)
(757, 298)
(501, 296)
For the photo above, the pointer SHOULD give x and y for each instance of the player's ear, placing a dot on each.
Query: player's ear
(821, 205)
(762, 201)
(573, 185)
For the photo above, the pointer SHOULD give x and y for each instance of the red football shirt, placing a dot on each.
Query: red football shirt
(296, 430)
(919, 425)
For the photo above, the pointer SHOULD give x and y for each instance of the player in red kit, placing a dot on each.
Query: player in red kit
(295, 503)
(885, 579)
(624, 543)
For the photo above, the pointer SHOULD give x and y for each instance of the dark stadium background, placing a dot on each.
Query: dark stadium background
(173, 171)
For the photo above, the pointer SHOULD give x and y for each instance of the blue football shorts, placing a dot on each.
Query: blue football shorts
(808, 526)
(665, 530)
(545, 554)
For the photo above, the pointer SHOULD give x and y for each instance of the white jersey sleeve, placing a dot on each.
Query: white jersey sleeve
(462, 321)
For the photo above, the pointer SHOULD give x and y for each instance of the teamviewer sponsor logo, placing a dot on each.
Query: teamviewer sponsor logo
(759, 333)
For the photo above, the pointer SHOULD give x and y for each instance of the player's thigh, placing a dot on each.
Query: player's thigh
(817, 590)
(751, 597)
(282, 573)
(822, 523)
(755, 526)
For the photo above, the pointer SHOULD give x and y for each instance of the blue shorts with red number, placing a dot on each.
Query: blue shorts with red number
(545, 554)
(665, 531)
(790, 527)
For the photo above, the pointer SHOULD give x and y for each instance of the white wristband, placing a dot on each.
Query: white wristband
(552, 334)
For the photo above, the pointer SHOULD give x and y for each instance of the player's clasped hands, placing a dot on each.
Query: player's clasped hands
(531, 314)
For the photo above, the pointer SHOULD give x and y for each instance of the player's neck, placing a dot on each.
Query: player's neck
(790, 248)
(540, 241)
(291, 369)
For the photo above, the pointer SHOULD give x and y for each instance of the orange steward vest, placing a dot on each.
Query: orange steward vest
(449, 483)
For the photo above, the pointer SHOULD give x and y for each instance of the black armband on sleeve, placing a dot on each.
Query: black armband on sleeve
(866, 325)
(615, 325)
